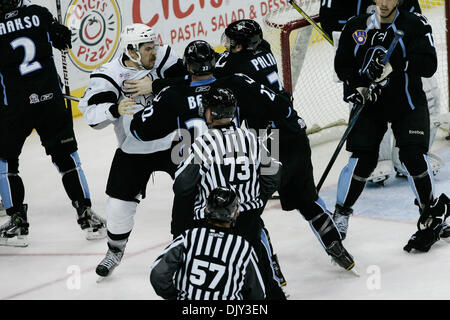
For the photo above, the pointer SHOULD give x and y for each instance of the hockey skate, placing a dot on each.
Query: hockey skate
(90, 222)
(14, 232)
(2, 210)
(110, 262)
(445, 232)
(341, 216)
(341, 257)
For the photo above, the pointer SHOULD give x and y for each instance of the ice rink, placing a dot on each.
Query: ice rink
(60, 264)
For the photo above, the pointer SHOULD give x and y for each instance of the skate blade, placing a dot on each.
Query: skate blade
(350, 269)
(100, 279)
(19, 241)
(355, 272)
(95, 235)
(286, 293)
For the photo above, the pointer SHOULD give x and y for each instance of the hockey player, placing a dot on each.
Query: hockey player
(389, 153)
(134, 161)
(398, 99)
(249, 53)
(258, 105)
(333, 16)
(31, 97)
(227, 156)
(195, 265)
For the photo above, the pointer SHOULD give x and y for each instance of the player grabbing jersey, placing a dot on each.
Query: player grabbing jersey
(134, 160)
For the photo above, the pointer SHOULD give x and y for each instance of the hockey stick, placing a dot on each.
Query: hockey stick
(71, 98)
(398, 35)
(311, 21)
(64, 66)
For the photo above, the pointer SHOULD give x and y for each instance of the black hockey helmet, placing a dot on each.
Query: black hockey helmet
(200, 57)
(245, 32)
(221, 205)
(220, 101)
(9, 5)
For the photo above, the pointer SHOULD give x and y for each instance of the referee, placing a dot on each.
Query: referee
(210, 263)
(227, 156)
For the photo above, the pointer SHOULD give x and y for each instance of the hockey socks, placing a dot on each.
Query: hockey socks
(73, 178)
(12, 189)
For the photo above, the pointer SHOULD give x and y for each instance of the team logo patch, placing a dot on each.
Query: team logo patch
(360, 37)
(96, 27)
(301, 123)
(34, 98)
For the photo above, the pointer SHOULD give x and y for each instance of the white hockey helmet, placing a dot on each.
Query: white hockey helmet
(135, 34)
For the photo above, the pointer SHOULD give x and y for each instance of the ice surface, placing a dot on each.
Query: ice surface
(383, 222)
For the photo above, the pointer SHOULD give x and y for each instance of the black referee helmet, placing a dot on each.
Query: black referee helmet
(221, 205)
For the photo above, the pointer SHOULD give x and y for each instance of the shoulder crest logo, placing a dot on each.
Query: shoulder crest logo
(360, 37)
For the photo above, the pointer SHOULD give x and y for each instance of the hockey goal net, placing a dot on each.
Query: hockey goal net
(307, 60)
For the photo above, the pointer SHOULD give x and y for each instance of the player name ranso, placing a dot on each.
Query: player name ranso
(18, 24)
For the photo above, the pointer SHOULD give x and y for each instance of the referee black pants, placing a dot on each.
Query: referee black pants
(249, 225)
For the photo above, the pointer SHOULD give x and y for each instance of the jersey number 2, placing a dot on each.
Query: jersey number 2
(27, 65)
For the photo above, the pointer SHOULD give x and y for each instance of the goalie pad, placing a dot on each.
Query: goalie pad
(2, 209)
(435, 162)
(382, 172)
(336, 36)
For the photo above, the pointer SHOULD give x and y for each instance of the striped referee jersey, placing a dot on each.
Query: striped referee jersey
(208, 263)
(223, 157)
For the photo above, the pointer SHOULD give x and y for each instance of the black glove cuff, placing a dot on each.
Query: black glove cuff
(114, 110)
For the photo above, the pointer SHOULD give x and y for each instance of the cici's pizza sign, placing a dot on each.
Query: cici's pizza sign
(96, 26)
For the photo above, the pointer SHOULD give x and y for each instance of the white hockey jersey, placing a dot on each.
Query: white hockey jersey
(105, 90)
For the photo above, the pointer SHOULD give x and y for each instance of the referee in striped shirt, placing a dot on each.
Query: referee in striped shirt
(227, 156)
(210, 263)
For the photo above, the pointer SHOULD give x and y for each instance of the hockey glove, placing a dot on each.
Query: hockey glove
(435, 214)
(61, 36)
(430, 225)
(422, 240)
(361, 96)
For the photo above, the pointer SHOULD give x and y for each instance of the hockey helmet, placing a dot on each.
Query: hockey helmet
(9, 5)
(221, 205)
(245, 32)
(200, 57)
(220, 101)
(135, 34)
